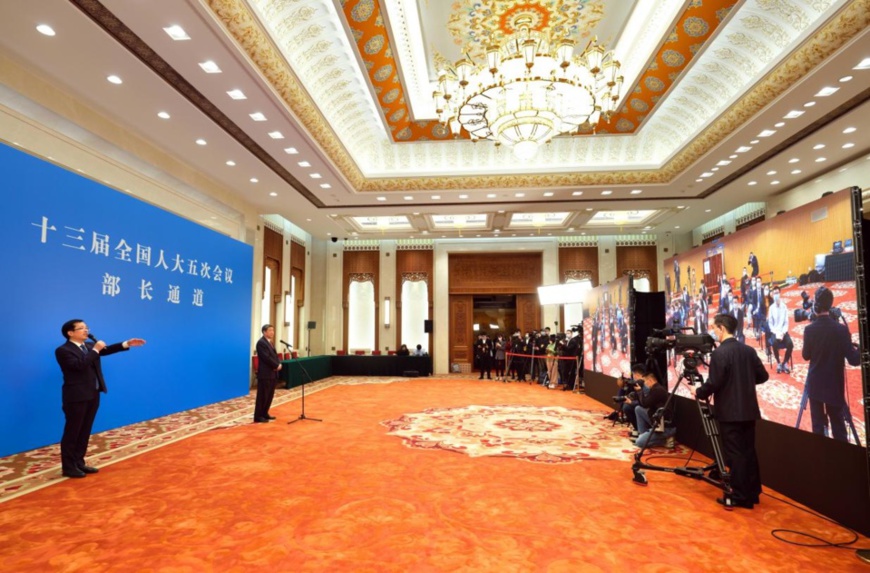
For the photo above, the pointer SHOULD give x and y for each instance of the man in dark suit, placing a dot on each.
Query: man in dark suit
(735, 369)
(79, 361)
(268, 367)
(753, 262)
(827, 344)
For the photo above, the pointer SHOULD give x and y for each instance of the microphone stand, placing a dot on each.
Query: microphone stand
(302, 416)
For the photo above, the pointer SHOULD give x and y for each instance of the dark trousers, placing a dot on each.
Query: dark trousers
(77, 432)
(738, 448)
(265, 393)
(822, 413)
(784, 342)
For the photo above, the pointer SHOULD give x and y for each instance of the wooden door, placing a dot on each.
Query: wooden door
(713, 268)
(461, 328)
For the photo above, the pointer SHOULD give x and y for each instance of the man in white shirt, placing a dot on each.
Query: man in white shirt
(777, 319)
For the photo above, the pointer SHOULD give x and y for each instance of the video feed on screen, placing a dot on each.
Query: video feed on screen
(790, 284)
(607, 328)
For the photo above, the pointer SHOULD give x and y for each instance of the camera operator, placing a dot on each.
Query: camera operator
(778, 321)
(827, 344)
(735, 369)
(654, 396)
(628, 394)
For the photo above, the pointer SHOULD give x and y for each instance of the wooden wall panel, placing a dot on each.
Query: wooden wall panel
(637, 258)
(528, 312)
(461, 334)
(360, 262)
(413, 262)
(578, 259)
(495, 273)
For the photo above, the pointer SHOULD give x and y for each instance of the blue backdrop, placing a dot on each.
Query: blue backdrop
(77, 249)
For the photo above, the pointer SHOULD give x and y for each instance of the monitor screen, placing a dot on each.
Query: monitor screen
(607, 328)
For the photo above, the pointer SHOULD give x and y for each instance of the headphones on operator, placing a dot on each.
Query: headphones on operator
(823, 300)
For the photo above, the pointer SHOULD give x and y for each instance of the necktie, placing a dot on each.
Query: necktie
(84, 348)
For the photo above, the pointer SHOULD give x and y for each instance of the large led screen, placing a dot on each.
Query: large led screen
(767, 276)
(607, 328)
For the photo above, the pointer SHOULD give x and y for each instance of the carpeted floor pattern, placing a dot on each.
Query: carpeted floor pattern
(346, 494)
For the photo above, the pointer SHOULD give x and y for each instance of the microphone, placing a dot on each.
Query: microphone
(92, 337)
(285, 344)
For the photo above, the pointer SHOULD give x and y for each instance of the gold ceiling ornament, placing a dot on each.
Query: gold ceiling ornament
(530, 89)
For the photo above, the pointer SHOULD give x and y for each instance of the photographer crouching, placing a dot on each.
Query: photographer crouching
(626, 399)
(654, 396)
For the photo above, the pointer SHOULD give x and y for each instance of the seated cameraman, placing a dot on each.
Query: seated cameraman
(627, 395)
(656, 397)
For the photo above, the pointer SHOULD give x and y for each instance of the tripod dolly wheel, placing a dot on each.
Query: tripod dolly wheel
(639, 477)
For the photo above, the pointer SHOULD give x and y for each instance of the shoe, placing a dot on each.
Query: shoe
(785, 369)
(89, 469)
(734, 503)
(76, 473)
(262, 420)
(270, 417)
(670, 443)
(481, 378)
(633, 434)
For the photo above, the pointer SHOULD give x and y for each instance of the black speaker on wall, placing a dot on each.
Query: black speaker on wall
(427, 326)
(312, 325)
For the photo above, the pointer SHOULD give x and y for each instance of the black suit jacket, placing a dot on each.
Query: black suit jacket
(82, 372)
(827, 344)
(268, 360)
(735, 369)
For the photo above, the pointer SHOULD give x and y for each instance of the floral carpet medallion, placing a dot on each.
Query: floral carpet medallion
(552, 435)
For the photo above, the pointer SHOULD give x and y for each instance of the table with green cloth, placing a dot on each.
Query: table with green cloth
(317, 368)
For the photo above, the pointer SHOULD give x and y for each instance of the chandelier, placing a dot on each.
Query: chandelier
(529, 90)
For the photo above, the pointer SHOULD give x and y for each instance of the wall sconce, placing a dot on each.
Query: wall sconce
(386, 312)
(288, 308)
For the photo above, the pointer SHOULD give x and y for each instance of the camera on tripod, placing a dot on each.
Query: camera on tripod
(661, 340)
(576, 327)
(807, 312)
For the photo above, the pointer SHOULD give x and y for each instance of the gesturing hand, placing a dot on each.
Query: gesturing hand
(135, 342)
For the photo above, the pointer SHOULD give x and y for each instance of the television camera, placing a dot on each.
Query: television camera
(808, 312)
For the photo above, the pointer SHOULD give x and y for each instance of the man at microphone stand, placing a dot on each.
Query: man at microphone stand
(268, 367)
(83, 381)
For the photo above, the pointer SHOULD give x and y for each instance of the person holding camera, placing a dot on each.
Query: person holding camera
(827, 343)
(653, 397)
(735, 370)
(627, 395)
(780, 338)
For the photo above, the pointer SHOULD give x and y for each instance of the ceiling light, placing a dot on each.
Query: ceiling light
(519, 194)
(588, 208)
(723, 163)
(698, 180)
(732, 157)
(258, 116)
(548, 194)
(810, 104)
(779, 124)
(774, 182)
(681, 206)
(325, 186)
(636, 191)
(309, 220)
(436, 197)
(490, 195)
(607, 192)
(754, 142)
(316, 176)
(752, 183)
(408, 198)
(45, 30)
(176, 33)
(583, 233)
(827, 91)
(237, 94)
(743, 149)
(821, 159)
(303, 164)
(525, 108)
(577, 193)
(382, 198)
(254, 180)
(290, 151)
(849, 130)
(677, 227)
(210, 67)
(793, 114)
(415, 213)
(276, 135)
(796, 172)
(463, 196)
(714, 169)
(113, 79)
(707, 210)
(864, 65)
(231, 163)
(201, 141)
(707, 174)
(845, 79)
(771, 172)
(500, 211)
(273, 194)
(767, 133)
(848, 145)
(163, 115)
(793, 160)
(819, 146)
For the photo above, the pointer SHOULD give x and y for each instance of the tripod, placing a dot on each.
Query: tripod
(847, 413)
(302, 416)
(714, 473)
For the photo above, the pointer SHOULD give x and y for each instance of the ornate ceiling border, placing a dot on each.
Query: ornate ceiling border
(241, 25)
